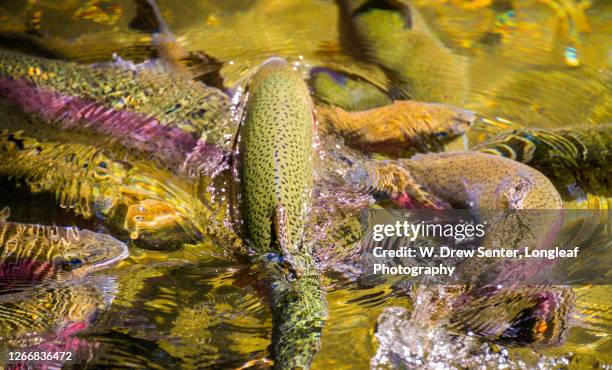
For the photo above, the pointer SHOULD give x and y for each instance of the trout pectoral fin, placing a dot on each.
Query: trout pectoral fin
(5, 214)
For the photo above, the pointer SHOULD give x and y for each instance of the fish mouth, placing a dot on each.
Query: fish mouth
(464, 120)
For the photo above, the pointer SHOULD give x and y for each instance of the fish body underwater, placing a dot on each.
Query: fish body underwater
(65, 248)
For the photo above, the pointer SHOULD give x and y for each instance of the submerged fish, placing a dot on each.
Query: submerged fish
(402, 127)
(535, 316)
(63, 248)
(499, 183)
(393, 35)
(525, 316)
(140, 106)
(92, 181)
(570, 157)
(277, 176)
(350, 94)
(42, 313)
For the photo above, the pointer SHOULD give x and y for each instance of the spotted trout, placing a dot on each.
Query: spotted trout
(276, 180)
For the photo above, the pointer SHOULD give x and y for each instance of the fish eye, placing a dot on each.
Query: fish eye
(73, 262)
(101, 170)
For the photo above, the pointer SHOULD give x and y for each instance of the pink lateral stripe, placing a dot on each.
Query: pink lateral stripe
(68, 112)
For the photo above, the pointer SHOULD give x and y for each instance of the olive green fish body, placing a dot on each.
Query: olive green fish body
(276, 182)
(508, 196)
(333, 88)
(299, 315)
(277, 167)
(483, 181)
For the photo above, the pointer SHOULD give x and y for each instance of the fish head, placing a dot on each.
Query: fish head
(90, 251)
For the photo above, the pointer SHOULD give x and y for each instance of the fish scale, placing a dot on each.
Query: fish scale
(562, 154)
(276, 180)
(174, 101)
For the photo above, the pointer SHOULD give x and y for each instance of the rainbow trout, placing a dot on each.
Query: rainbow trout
(63, 248)
(142, 107)
(499, 183)
(276, 181)
(535, 316)
(276, 170)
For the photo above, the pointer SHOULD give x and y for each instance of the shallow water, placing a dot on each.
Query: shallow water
(190, 309)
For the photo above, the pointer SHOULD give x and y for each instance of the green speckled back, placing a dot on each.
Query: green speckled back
(276, 154)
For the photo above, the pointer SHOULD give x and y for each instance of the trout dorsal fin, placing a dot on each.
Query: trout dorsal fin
(5, 213)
